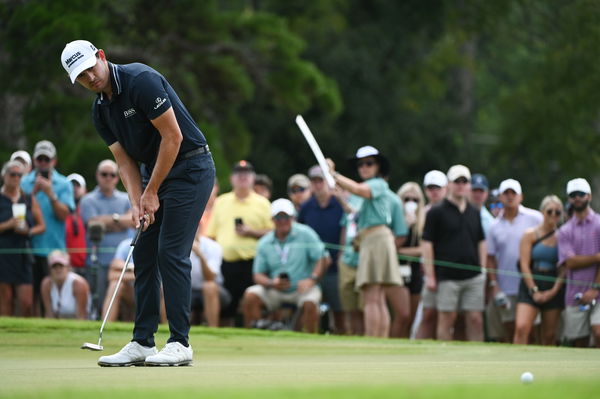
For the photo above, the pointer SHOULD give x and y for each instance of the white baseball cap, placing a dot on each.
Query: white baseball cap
(458, 171)
(435, 178)
(578, 184)
(78, 178)
(78, 56)
(46, 148)
(24, 155)
(282, 205)
(510, 184)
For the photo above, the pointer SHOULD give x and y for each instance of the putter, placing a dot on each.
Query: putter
(98, 346)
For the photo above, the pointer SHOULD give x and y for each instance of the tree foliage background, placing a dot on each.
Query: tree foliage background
(509, 88)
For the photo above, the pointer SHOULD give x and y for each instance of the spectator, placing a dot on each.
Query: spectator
(208, 294)
(66, 295)
(503, 242)
(435, 183)
(289, 262)
(110, 208)
(20, 219)
(24, 158)
(414, 210)
(495, 203)
(350, 298)
(479, 195)
(54, 194)
(298, 186)
(322, 212)
(539, 255)
(239, 219)
(75, 228)
(453, 233)
(263, 186)
(124, 304)
(579, 252)
(378, 261)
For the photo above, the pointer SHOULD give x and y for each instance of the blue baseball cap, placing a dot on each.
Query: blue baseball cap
(479, 181)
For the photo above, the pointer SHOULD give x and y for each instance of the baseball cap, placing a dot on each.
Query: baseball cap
(242, 166)
(299, 180)
(510, 184)
(435, 178)
(77, 178)
(479, 181)
(282, 205)
(457, 171)
(58, 256)
(46, 148)
(316, 171)
(578, 184)
(24, 155)
(77, 56)
(370, 151)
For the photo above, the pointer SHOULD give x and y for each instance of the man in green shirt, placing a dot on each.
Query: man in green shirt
(289, 262)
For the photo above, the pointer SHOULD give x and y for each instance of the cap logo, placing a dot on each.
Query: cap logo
(72, 59)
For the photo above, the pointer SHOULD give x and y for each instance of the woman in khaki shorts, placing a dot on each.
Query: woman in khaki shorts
(378, 261)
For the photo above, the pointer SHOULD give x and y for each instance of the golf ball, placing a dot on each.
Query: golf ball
(527, 378)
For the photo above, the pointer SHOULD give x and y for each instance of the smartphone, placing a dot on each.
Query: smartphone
(238, 221)
(284, 276)
(44, 174)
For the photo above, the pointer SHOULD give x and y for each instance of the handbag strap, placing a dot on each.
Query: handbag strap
(542, 238)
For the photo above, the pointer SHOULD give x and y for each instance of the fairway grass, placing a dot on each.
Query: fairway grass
(42, 359)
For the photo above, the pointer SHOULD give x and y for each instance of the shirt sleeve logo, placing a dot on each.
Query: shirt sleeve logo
(129, 112)
(159, 101)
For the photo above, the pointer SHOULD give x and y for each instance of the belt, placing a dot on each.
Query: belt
(200, 150)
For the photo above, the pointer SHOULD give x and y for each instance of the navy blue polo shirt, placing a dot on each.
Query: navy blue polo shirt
(141, 94)
(326, 222)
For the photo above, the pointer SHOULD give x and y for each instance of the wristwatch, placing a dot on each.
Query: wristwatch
(116, 217)
(314, 277)
(533, 290)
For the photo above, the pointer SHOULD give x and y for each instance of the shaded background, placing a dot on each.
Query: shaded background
(509, 88)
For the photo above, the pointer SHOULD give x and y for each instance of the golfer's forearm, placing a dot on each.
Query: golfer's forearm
(167, 153)
(360, 189)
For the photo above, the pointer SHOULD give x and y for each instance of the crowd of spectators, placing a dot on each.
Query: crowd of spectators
(448, 259)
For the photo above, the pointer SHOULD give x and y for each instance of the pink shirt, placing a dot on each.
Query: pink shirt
(579, 237)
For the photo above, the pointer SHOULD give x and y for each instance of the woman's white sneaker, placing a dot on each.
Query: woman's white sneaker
(173, 354)
(132, 354)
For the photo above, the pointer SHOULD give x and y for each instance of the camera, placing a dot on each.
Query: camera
(284, 276)
(238, 221)
(95, 232)
(45, 174)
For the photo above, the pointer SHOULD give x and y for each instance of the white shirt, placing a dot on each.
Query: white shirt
(213, 254)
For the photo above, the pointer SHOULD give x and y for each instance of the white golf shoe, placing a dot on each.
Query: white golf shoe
(173, 354)
(132, 354)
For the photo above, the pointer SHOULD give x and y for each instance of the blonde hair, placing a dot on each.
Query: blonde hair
(415, 188)
(548, 199)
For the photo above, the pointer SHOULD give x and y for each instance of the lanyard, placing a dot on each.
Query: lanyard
(283, 252)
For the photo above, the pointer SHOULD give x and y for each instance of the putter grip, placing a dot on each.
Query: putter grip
(137, 233)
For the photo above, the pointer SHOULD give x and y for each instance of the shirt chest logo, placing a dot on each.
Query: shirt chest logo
(128, 113)
(159, 101)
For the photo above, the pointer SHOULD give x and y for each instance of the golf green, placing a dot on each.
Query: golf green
(43, 359)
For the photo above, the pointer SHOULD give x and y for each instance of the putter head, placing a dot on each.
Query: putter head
(92, 347)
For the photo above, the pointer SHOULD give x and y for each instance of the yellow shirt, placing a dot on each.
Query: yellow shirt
(255, 212)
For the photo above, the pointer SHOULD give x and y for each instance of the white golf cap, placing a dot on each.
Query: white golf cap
(46, 148)
(510, 184)
(77, 178)
(282, 205)
(435, 178)
(78, 56)
(458, 171)
(24, 155)
(578, 184)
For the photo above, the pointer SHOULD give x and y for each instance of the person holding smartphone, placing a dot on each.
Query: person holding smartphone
(54, 194)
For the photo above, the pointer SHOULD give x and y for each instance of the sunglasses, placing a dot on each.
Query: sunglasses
(42, 158)
(295, 190)
(461, 180)
(433, 187)
(556, 212)
(282, 217)
(108, 174)
(496, 205)
(576, 194)
(410, 199)
(360, 164)
(15, 174)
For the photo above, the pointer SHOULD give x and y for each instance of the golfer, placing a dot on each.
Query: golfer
(142, 120)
